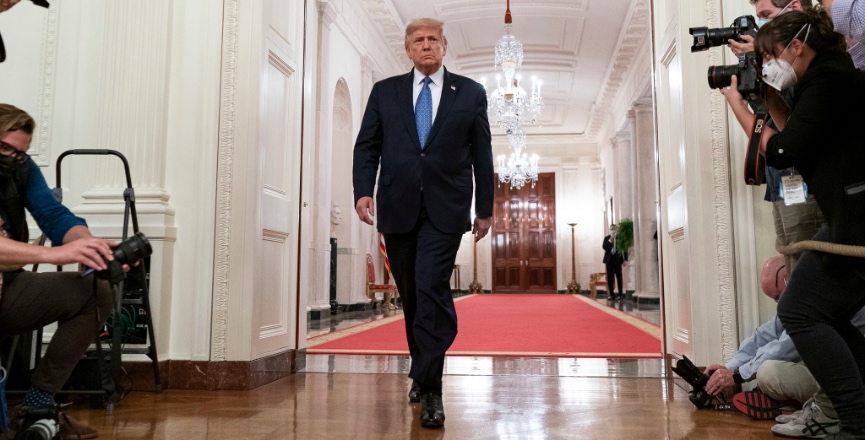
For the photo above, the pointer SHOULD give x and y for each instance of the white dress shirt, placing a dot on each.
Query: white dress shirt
(435, 88)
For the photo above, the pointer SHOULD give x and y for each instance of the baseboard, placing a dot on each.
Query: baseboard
(207, 375)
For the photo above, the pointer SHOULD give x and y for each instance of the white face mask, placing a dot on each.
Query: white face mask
(764, 20)
(779, 73)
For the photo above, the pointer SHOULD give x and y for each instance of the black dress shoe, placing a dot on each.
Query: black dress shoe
(414, 393)
(432, 411)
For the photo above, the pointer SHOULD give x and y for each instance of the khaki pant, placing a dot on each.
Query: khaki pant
(795, 223)
(782, 380)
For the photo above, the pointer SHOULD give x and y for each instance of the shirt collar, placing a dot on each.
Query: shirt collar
(437, 77)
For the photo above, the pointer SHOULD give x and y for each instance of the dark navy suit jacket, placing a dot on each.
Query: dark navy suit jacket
(458, 148)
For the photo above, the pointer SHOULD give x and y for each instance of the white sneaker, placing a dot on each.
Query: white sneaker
(812, 423)
(796, 415)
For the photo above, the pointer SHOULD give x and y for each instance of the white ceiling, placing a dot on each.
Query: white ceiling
(571, 45)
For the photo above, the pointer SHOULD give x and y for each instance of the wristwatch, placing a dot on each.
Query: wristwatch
(737, 377)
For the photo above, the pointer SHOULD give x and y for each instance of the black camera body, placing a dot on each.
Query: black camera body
(129, 252)
(688, 371)
(705, 37)
(748, 71)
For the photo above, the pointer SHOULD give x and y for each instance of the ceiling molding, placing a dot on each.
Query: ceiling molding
(634, 34)
(390, 25)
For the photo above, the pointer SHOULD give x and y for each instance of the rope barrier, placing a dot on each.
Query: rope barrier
(821, 246)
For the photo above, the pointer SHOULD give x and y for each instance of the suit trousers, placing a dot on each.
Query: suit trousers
(422, 262)
(614, 272)
(823, 294)
(33, 300)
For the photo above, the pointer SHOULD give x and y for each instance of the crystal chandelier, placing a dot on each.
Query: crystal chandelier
(519, 168)
(510, 107)
(509, 104)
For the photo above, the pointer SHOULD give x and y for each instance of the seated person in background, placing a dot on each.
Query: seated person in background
(769, 357)
(28, 300)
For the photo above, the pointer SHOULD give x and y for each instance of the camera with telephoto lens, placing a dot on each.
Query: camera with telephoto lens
(688, 371)
(748, 71)
(704, 37)
(129, 252)
(38, 423)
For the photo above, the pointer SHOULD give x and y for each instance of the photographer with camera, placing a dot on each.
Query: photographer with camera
(766, 10)
(29, 301)
(770, 357)
(821, 137)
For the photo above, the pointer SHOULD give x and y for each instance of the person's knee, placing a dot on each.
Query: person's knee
(767, 375)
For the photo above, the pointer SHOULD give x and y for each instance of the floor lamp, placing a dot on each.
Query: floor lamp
(573, 286)
(475, 286)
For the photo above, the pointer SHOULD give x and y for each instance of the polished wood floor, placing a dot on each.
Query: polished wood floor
(375, 406)
(365, 397)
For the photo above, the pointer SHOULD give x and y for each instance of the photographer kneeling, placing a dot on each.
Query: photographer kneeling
(29, 301)
(821, 137)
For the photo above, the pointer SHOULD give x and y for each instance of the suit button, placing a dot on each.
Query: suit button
(423, 155)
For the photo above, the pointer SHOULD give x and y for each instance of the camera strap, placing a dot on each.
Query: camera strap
(755, 168)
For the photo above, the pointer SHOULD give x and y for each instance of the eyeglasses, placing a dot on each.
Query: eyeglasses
(10, 151)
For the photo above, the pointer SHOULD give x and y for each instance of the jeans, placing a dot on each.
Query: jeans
(823, 294)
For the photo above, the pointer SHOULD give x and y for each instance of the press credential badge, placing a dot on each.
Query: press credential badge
(793, 190)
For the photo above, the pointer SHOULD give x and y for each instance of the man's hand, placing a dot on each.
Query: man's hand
(6, 4)
(740, 48)
(365, 209)
(90, 251)
(720, 379)
(481, 227)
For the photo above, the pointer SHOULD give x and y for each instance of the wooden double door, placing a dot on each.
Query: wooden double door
(524, 237)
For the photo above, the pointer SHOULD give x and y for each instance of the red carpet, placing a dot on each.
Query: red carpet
(514, 325)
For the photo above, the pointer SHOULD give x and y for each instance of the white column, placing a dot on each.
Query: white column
(624, 191)
(319, 294)
(132, 109)
(131, 119)
(646, 219)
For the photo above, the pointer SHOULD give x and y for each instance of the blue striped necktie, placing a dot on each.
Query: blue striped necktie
(423, 112)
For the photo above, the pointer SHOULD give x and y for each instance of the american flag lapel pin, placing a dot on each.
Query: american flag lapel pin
(454, 88)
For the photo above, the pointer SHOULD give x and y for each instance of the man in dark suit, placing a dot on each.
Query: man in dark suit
(429, 133)
(614, 260)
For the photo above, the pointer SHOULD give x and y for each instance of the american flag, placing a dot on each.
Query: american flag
(383, 250)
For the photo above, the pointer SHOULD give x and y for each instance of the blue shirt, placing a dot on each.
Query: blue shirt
(54, 219)
(848, 16)
(771, 342)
